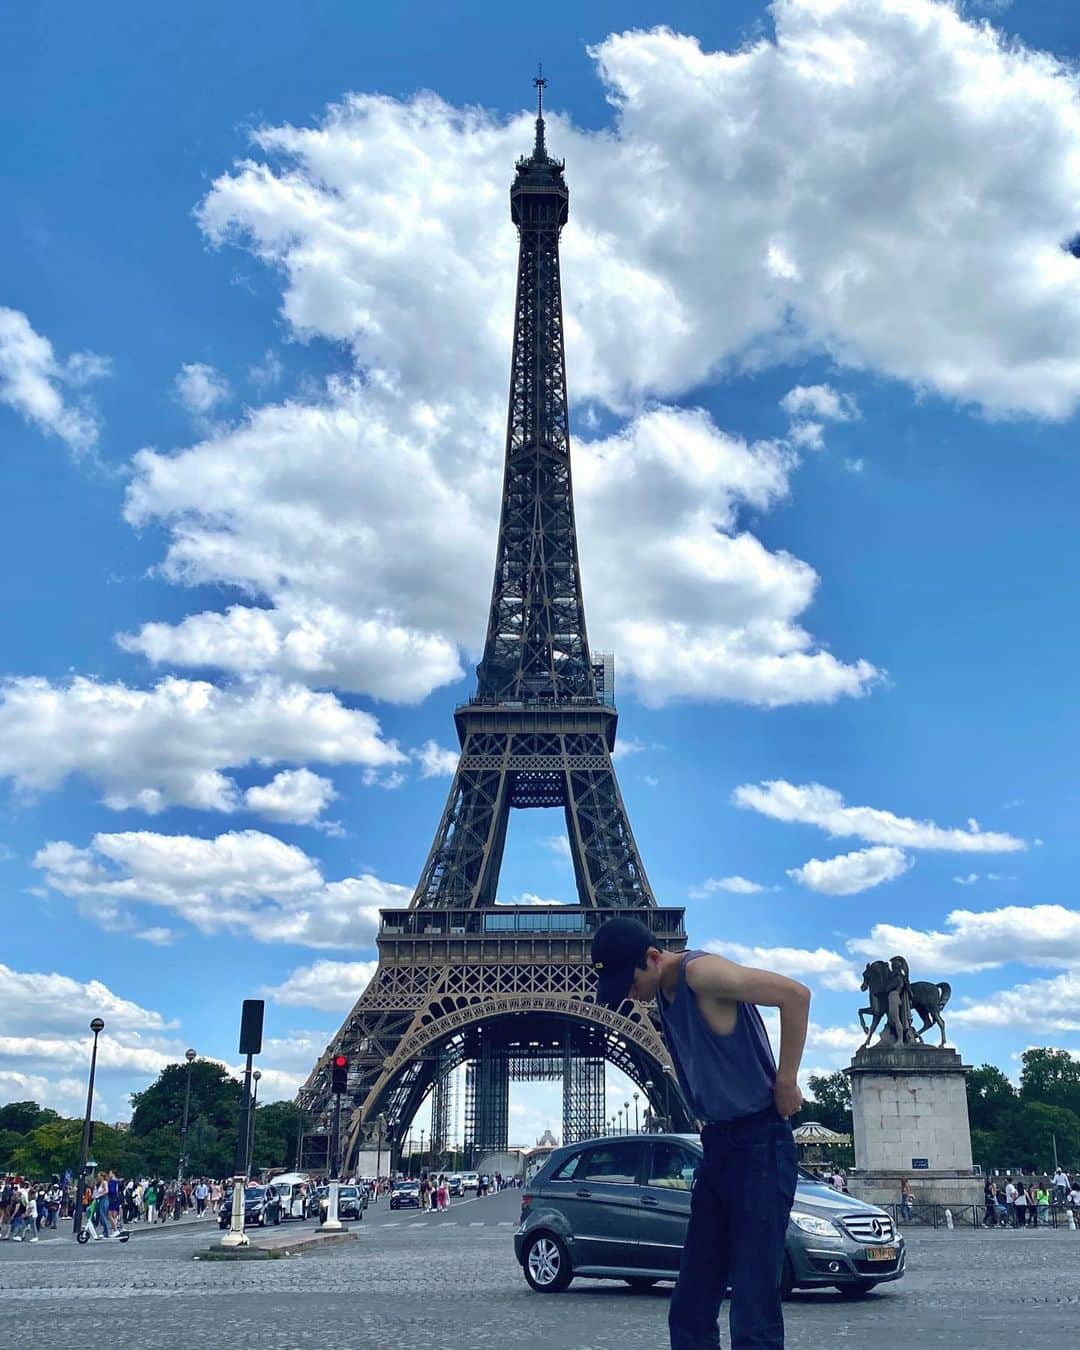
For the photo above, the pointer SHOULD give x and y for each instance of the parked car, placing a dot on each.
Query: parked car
(262, 1207)
(455, 1184)
(405, 1195)
(618, 1209)
(350, 1203)
(470, 1181)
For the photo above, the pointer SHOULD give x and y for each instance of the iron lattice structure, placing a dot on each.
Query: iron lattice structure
(460, 978)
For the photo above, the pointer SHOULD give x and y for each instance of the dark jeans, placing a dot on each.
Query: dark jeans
(739, 1210)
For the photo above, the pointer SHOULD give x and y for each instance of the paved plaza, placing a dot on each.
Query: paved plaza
(450, 1282)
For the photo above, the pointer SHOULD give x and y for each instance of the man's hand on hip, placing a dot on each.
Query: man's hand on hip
(787, 1097)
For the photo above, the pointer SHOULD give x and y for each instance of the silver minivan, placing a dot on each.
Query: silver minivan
(618, 1208)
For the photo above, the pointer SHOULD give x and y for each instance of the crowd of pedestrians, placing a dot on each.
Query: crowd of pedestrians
(109, 1202)
(1016, 1203)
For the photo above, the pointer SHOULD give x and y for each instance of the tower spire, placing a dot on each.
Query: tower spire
(540, 147)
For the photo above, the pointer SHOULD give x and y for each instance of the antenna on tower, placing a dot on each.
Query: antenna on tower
(540, 148)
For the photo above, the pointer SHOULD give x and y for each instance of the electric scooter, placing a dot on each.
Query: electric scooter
(89, 1230)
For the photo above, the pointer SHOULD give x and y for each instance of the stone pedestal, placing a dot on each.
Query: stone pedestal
(910, 1118)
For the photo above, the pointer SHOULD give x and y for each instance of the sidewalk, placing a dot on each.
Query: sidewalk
(63, 1228)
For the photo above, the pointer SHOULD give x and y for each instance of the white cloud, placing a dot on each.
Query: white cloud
(1034, 935)
(810, 406)
(969, 880)
(332, 986)
(45, 1045)
(627, 745)
(374, 551)
(305, 639)
(369, 556)
(1045, 1006)
(33, 380)
(820, 402)
(200, 388)
(268, 372)
(294, 795)
(559, 844)
(153, 748)
(850, 873)
(735, 885)
(435, 760)
(870, 215)
(830, 968)
(814, 804)
(243, 882)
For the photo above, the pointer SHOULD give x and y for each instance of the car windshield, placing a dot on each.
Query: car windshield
(254, 1193)
(407, 1186)
(347, 1190)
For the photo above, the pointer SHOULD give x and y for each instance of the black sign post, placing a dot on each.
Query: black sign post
(251, 1026)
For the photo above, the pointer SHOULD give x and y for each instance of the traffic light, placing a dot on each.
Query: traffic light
(339, 1079)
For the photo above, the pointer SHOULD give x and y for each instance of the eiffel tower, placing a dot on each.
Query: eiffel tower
(461, 979)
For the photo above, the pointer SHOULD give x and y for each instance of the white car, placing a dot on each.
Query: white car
(470, 1181)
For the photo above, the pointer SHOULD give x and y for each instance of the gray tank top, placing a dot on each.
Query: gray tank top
(722, 1077)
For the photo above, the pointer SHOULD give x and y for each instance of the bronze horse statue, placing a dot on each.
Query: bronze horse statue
(894, 997)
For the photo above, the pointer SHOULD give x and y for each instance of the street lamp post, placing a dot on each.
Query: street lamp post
(189, 1055)
(381, 1122)
(96, 1026)
(637, 1121)
(621, 1131)
(626, 1106)
(421, 1150)
(648, 1092)
(251, 1133)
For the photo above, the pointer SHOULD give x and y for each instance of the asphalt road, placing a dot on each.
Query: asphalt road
(450, 1282)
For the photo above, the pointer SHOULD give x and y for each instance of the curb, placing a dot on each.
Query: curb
(254, 1252)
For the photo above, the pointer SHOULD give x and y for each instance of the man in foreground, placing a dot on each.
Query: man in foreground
(745, 1185)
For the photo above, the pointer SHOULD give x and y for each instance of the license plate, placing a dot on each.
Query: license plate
(881, 1253)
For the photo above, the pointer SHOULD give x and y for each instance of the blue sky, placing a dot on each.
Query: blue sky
(824, 361)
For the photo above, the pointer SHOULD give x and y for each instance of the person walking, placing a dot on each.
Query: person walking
(100, 1197)
(1032, 1207)
(1010, 1200)
(150, 1196)
(906, 1198)
(990, 1203)
(745, 1183)
(1020, 1204)
(1042, 1205)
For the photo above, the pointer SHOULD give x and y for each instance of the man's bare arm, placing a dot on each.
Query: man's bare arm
(717, 977)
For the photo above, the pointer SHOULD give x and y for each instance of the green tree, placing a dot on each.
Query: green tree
(215, 1096)
(276, 1126)
(1051, 1076)
(54, 1146)
(990, 1095)
(1027, 1132)
(831, 1104)
(22, 1117)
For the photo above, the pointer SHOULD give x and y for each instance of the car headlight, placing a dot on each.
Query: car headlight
(810, 1223)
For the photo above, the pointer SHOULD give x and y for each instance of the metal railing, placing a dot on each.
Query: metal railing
(974, 1216)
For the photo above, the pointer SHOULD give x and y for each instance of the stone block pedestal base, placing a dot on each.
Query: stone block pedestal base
(909, 1112)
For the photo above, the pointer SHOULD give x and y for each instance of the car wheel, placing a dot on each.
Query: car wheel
(854, 1290)
(787, 1278)
(640, 1283)
(547, 1264)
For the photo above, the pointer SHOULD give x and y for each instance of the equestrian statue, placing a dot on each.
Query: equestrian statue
(895, 998)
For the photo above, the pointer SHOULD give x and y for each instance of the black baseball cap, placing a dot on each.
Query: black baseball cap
(618, 952)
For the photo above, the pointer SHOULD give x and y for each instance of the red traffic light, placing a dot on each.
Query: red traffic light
(339, 1074)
